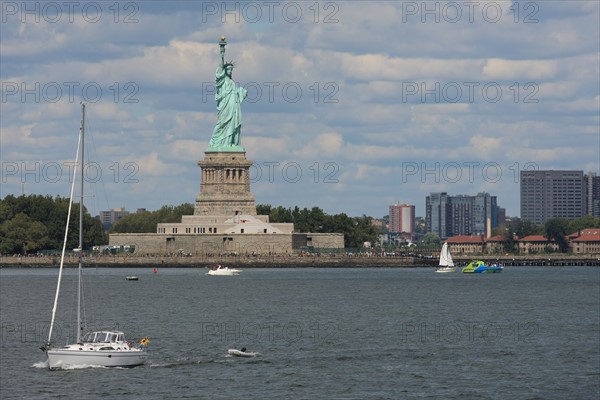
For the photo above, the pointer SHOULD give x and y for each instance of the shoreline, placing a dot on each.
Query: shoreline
(297, 261)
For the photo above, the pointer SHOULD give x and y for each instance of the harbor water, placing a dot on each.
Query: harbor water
(332, 333)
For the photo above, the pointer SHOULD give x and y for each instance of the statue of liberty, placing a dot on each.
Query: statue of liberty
(229, 97)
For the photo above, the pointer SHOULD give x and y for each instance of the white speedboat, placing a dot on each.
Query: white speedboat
(446, 264)
(223, 271)
(104, 348)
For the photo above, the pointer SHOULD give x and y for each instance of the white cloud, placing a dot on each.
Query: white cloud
(323, 145)
(367, 60)
(519, 69)
(486, 147)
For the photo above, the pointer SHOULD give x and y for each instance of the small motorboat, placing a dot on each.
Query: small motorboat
(223, 271)
(132, 278)
(242, 353)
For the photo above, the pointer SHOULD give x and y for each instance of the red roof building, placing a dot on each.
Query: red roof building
(494, 245)
(466, 244)
(586, 241)
(536, 244)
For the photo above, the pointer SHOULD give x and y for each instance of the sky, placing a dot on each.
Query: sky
(351, 107)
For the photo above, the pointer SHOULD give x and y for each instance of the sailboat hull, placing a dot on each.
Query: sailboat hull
(68, 357)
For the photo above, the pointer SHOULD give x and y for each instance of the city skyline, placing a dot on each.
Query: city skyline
(449, 215)
(352, 106)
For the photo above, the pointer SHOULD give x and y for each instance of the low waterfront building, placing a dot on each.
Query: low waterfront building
(585, 241)
(460, 245)
(533, 244)
(495, 245)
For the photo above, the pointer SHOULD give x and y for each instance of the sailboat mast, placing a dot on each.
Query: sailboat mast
(64, 248)
(79, 269)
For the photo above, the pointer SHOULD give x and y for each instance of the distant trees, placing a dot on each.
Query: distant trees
(524, 227)
(356, 230)
(22, 235)
(32, 223)
(557, 229)
(430, 239)
(509, 242)
(585, 222)
(145, 222)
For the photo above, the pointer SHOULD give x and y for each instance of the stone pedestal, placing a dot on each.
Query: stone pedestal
(225, 185)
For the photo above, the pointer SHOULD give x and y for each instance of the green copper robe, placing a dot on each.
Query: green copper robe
(229, 97)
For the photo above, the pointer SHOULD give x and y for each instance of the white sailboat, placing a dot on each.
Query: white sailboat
(105, 348)
(446, 264)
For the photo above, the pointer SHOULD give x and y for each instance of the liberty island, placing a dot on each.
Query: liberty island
(225, 220)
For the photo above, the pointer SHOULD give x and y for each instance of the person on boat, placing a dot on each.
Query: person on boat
(243, 349)
(144, 342)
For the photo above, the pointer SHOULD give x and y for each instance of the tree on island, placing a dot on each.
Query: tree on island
(557, 229)
(145, 222)
(32, 223)
(356, 230)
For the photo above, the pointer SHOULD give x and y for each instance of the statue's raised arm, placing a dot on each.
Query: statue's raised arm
(222, 45)
(229, 97)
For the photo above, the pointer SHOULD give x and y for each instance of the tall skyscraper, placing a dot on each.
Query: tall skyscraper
(461, 216)
(402, 220)
(593, 194)
(449, 216)
(437, 214)
(552, 194)
(485, 214)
